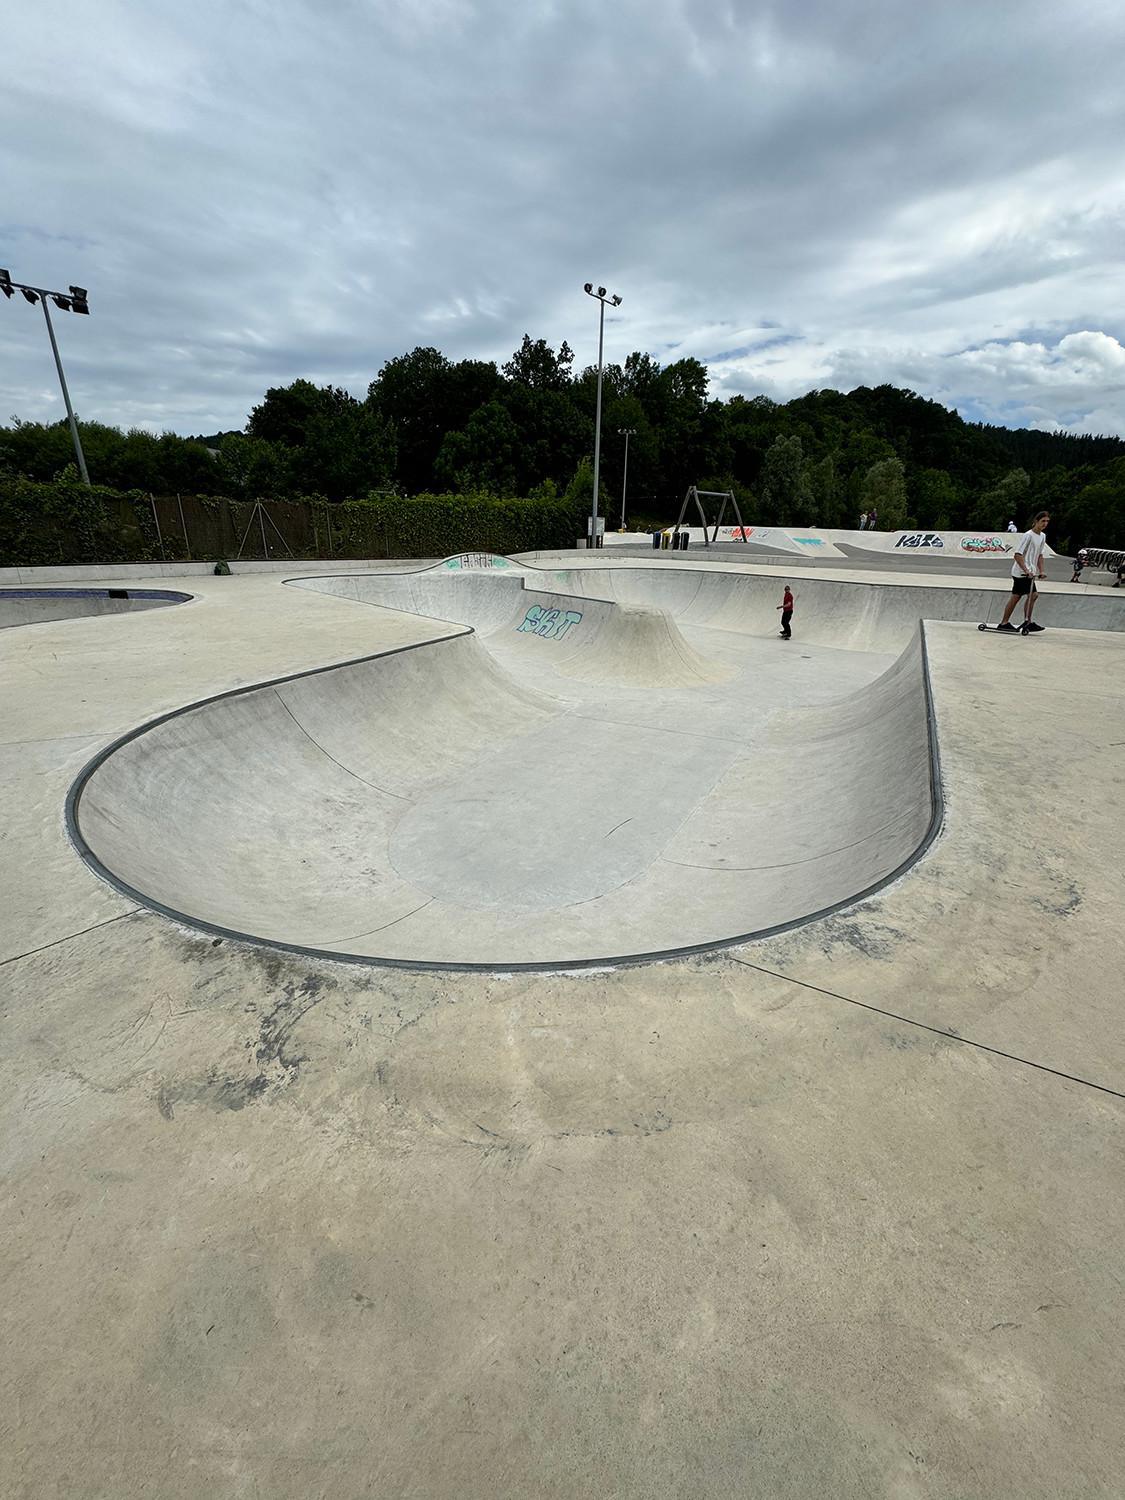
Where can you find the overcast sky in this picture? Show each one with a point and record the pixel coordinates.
(809, 194)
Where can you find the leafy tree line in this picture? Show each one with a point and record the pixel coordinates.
(526, 428)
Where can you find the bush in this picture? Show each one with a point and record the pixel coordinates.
(64, 522)
(438, 525)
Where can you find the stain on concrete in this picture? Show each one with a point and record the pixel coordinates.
(215, 1090)
(274, 1055)
(275, 1033)
(861, 932)
(1064, 901)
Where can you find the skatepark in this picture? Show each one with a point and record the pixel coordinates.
(514, 1026)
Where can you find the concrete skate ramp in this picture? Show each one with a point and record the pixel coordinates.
(594, 638)
(426, 808)
(37, 606)
(856, 616)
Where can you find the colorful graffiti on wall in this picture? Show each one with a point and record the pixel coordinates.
(551, 624)
(985, 544)
(920, 539)
(475, 560)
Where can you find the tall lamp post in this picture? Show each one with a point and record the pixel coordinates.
(600, 294)
(626, 433)
(72, 301)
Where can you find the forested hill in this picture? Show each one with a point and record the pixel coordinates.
(1036, 451)
(430, 424)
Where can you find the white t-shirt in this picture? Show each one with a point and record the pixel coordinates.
(1030, 548)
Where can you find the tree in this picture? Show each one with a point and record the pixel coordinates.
(676, 409)
(934, 500)
(817, 458)
(484, 455)
(324, 441)
(346, 453)
(412, 392)
(784, 485)
(286, 412)
(250, 468)
(537, 366)
(828, 499)
(1096, 514)
(884, 491)
(640, 377)
(1003, 502)
(468, 384)
(553, 434)
(580, 494)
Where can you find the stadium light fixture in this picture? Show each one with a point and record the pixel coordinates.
(74, 300)
(614, 301)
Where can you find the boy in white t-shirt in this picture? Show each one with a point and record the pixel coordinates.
(1027, 567)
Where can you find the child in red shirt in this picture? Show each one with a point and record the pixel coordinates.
(786, 608)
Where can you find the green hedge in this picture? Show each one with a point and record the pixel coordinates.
(438, 525)
(65, 523)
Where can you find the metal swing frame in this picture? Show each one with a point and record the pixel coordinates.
(726, 496)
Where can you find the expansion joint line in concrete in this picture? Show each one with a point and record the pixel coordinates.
(950, 1036)
(329, 756)
(70, 936)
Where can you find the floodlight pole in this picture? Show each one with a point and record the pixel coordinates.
(74, 301)
(66, 396)
(614, 301)
(626, 433)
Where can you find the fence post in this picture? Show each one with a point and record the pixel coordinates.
(156, 519)
(183, 525)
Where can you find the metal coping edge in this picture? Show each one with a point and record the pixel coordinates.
(22, 591)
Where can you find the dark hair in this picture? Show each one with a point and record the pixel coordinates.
(1043, 515)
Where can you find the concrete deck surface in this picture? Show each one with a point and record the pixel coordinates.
(834, 1213)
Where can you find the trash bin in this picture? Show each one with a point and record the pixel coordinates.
(656, 541)
(684, 537)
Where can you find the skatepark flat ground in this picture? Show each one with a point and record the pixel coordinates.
(834, 1212)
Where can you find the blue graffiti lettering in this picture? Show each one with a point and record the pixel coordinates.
(550, 624)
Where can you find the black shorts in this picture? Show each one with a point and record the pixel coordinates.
(1024, 585)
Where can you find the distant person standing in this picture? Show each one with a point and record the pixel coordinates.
(863, 521)
(1079, 564)
(1012, 526)
(786, 608)
(872, 517)
(1026, 569)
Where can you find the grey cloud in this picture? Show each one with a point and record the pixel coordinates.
(255, 192)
